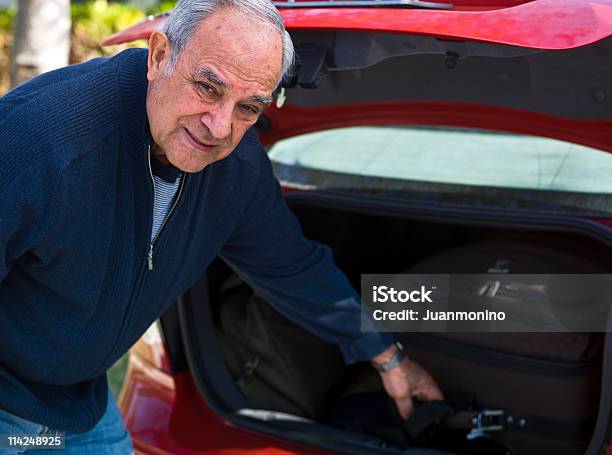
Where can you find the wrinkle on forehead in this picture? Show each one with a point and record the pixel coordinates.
(233, 42)
(226, 68)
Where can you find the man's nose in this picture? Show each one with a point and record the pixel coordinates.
(218, 120)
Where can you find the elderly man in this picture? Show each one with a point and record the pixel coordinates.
(122, 179)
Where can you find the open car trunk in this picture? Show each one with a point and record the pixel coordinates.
(554, 389)
(539, 68)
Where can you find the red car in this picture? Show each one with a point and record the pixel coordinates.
(412, 130)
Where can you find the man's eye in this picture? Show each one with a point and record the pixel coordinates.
(250, 109)
(206, 88)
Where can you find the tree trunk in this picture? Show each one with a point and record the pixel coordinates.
(42, 38)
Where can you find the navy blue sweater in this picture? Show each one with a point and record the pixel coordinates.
(76, 203)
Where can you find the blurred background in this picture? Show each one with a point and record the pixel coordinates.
(41, 35)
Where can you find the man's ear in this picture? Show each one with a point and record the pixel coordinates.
(159, 54)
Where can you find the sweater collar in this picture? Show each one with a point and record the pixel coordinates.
(133, 84)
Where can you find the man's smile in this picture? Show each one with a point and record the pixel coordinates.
(195, 143)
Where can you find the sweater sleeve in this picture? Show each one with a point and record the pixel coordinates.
(25, 192)
(6, 231)
(28, 181)
(297, 276)
(25, 208)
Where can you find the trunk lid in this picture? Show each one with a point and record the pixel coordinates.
(538, 67)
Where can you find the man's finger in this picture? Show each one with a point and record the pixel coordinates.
(430, 392)
(404, 406)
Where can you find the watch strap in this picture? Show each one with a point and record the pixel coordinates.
(394, 362)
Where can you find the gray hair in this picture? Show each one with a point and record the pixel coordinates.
(188, 14)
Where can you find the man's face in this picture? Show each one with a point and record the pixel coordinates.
(222, 81)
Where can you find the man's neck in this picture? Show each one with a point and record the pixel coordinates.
(160, 155)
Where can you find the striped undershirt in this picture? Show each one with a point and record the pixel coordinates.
(167, 181)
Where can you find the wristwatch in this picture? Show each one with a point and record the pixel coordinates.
(397, 358)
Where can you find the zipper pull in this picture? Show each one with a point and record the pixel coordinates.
(150, 257)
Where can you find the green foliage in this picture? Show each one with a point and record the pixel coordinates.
(116, 375)
(6, 41)
(92, 22)
(103, 17)
(163, 7)
(100, 17)
(6, 18)
(96, 20)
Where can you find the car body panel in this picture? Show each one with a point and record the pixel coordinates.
(165, 415)
(541, 24)
(292, 120)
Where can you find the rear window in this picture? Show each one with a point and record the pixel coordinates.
(550, 173)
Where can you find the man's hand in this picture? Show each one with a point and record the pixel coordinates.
(405, 381)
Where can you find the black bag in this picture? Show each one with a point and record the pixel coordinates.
(454, 425)
(277, 364)
(547, 384)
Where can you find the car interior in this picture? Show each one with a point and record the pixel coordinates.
(551, 391)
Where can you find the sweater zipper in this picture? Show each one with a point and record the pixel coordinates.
(154, 239)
